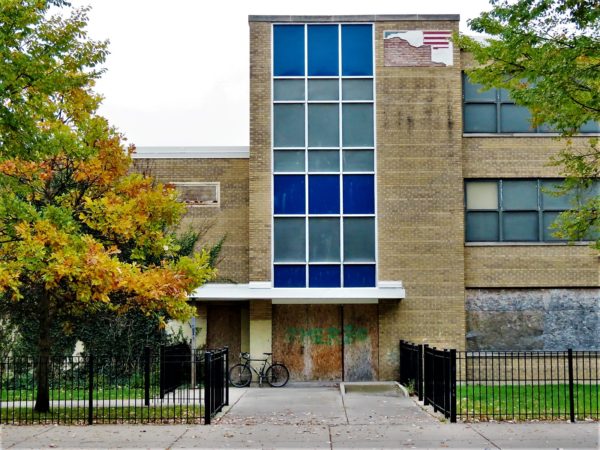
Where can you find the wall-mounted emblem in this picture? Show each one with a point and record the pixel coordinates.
(417, 48)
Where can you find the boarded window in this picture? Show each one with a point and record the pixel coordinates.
(199, 193)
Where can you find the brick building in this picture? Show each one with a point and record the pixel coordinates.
(383, 197)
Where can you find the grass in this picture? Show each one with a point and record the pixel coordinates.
(125, 392)
(520, 402)
(140, 414)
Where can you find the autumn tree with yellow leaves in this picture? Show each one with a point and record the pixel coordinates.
(79, 233)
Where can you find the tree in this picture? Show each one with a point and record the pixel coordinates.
(546, 53)
(78, 232)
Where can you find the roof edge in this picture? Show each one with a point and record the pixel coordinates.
(185, 152)
(356, 18)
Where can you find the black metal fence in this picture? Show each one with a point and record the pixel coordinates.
(519, 385)
(153, 388)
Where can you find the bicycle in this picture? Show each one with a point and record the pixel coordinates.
(276, 374)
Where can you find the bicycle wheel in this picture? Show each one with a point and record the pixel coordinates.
(277, 375)
(240, 375)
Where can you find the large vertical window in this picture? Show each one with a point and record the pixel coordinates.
(515, 210)
(323, 156)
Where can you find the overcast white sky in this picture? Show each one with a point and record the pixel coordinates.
(178, 70)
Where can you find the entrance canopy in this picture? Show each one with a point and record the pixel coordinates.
(264, 290)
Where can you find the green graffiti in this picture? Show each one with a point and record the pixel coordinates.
(326, 336)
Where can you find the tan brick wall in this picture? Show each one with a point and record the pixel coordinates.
(505, 266)
(519, 157)
(260, 151)
(230, 218)
(420, 199)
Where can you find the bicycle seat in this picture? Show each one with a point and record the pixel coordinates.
(268, 354)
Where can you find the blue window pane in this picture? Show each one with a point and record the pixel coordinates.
(357, 50)
(359, 239)
(288, 50)
(290, 276)
(554, 202)
(323, 194)
(324, 276)
(359, 276)
(324, 239)
(475, 92)
(519, 194)
(322, 50)
(288, 125)
(359, 194)
(289, 194)
(288, 160)
(323, 89)
(549, 218)
(323, 161)
(288, 90)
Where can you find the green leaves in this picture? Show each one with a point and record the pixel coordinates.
(546, 53)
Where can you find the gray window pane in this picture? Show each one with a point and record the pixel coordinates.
(290, 239)
(482, 194)
(358, 160)
(324, 240)
(357, 125)
(515, 119)
(472, 92)
(357, 90)
(288, 160)
(323, 90)
(520, 226)
(549, 218)
(288, 90)
(591, 126)
(482, 226)
(480, 118)
(517, 194)
(323, 161)
(505, 96)
(550, 201)
(288, 125)
(359, 239)
(323, 126)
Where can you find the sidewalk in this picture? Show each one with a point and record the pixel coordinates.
(311, 417)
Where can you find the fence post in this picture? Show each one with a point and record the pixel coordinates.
(571, 398)
(147, 376)
(420, 372)
(161, 371)
(425, 375)
(207, 387)
(452, 385)
(91, 392)
(226, 375)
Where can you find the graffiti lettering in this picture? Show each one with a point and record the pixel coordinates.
(327, 336)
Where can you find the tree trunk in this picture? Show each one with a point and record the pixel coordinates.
(42, 400)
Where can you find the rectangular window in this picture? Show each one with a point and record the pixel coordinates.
(513, 210)
(323, 156)
(199, 193)
(494, 111)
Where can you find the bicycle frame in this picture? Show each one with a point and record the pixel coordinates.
(263, 370)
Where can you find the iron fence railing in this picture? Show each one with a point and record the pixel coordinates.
(504, 385)
(152, 388)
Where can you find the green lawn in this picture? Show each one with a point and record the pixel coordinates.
(77, 394)
(520, 402)
(156, 414)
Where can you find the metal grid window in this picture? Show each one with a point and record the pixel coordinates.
(514, 210)
(323, 156)
(493, 111)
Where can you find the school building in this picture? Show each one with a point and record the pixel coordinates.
(383, 197)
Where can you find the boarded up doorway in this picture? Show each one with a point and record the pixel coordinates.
(327, 342)
(224, 328)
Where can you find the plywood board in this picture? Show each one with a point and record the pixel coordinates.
(225, 329)
(361, 342)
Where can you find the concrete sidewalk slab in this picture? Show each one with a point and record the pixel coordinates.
(288, 406)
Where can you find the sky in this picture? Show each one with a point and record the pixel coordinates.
(177, 73)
